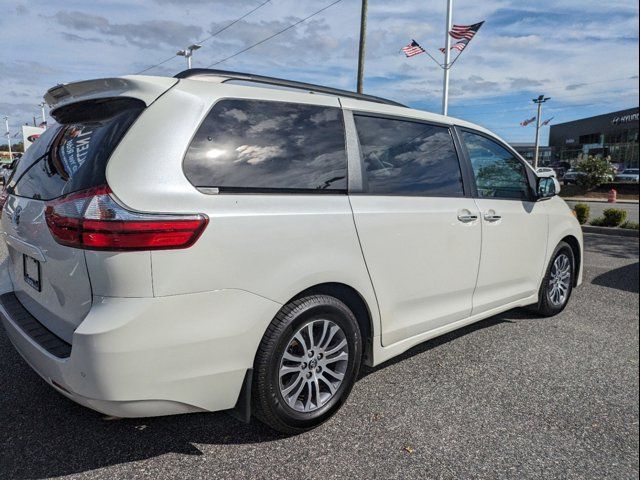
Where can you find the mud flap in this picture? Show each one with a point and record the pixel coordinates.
(242, 410)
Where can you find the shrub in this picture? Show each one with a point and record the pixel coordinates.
(614, 217)
(582, 212)
(630, 225)
(598, 222)
(596, 171)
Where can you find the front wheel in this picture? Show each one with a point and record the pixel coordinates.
(306, 364)
(557, 284)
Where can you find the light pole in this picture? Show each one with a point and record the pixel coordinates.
(447, 58)
(44, 116)
(188, 53)
(361, 49)
(6, 123)
(539, 101)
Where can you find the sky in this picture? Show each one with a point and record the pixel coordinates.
(581, 53)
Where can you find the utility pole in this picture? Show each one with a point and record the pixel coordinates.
(447, 58)
(361, 50)
(6, 123)
(188, 53)
(539, 101)
(44, 116)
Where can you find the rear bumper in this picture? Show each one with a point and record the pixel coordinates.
(139, 357)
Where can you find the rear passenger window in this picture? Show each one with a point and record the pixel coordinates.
(263, 145)
(408, 158)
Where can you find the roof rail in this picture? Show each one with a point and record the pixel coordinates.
(249, 77)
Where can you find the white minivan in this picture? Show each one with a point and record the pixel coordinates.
(221, 240)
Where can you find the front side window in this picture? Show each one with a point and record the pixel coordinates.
(408, 158)
(263, 145)
(498, 173)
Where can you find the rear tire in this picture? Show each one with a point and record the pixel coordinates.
(306, 364)
(557, 283)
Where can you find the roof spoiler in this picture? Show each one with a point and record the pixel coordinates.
(145, 88)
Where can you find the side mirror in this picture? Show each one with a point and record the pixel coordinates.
(547, 187)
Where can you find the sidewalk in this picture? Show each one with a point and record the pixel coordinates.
(596, 200)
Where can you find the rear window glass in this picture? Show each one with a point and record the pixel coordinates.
(74, 156)
(263, 145)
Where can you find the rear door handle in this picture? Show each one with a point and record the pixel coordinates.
(491, 217)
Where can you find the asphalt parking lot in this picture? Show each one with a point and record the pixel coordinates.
(514, 396)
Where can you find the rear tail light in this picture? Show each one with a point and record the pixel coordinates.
(92, 220)
(4, 195)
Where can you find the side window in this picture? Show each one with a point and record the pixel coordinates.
(408, 158)
(254, 144)
(498, 173)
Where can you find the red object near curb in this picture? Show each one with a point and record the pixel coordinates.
(613, 196)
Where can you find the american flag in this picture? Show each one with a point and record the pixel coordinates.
(458, 45)
(464, 34)
(526, 122)
(546, 122)
(412, 49)
(465, 31)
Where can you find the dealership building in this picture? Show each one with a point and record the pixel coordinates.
(613, 135)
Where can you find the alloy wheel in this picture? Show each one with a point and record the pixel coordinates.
(559, 280)
(313, 365)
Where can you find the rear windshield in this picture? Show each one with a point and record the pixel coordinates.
(74, 156)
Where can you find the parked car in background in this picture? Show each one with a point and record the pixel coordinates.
(629, 175)
(560, 168)
(228, 241)
(571, 176)
(5, 171)
(549, 170)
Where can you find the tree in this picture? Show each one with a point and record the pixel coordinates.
(595, 171)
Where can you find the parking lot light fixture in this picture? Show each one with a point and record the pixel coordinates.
(188, 53)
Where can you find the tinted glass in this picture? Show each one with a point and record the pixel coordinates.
(269, 145)
(73, 157)
(498, 173)
(408, 158)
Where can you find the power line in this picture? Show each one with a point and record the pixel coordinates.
(273, 36)
(234, 22)
(156, 65)
(218, 32)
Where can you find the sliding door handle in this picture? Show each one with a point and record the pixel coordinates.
(466, 218)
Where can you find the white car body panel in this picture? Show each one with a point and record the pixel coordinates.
(175, 331)
(508, 274)
(418, 291)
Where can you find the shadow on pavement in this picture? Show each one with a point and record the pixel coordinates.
(610, 245)
(623, 278)
(43, 434)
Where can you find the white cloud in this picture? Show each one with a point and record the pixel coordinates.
(547, 47)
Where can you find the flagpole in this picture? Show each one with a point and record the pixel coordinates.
(447, 58)
(6, 122)
(540, 100)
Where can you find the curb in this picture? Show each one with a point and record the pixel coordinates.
(618, 232)
(594, 200)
